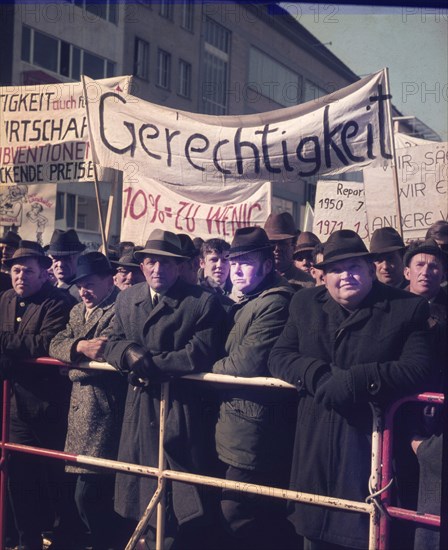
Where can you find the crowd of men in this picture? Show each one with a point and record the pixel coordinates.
(351, 329)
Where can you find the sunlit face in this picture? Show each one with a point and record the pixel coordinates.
(304, 260)
(283, 254)
(425, 274)
(94, 288)
(27, 277)
(216, 265)
(188, 271)
(125, 277)
(318, 274)
(64, 267)
(247, 271)
(389, 268)
(160, 272)
(349, 281)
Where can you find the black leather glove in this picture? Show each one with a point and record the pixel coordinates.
(336, 391)
(6, 367)
(140, 365)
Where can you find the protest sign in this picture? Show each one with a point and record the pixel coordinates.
(340, 205)
(31, 209)
(422, 178)
(343, 131)
(160, 207)
(43, 133)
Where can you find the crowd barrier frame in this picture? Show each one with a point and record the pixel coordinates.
(375, 504)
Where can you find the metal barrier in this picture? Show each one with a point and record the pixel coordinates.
(390, 512)
(378, 484)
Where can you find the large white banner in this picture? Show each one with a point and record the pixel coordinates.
(43, 132)
(31, 209)
(212, 158)
(145, 210)
(423, 187)
(340, 205)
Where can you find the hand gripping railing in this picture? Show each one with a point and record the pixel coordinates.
(162, 474)
(387, 477)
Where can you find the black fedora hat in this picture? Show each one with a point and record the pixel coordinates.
(64, 243)
(127, 259)
(92, 263)
(249, 239)
(280, 226)
(11, 239)
(29, 249)
(187, 246)
(162, 243)
(341, 245)
(429, 246)
(385, 239)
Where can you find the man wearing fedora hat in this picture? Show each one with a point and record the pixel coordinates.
(349, 345)
(163, 328)
(64, 250)
(32, 312)
(282, 234)
(253, 438)
(303, 252)
(8, 244)
(127, 269)
(97, 398)
(387, 249)
(188, 270)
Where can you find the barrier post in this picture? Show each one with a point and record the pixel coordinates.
(4, 459)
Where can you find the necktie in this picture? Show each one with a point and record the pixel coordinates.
(155, 300)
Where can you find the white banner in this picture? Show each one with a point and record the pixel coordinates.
(43, 132)
(160, 207)
(340, 205)
(423, 187)
(220, 155)
(30, 208)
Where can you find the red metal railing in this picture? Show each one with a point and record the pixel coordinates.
(380, 465)
(386, 472)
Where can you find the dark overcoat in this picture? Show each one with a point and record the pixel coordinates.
(39, 391)
(252, 431)
(183, 334)
(97, 397)
(384, 343)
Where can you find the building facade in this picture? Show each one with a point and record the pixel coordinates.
(207, 57)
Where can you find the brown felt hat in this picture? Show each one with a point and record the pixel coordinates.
(162, 243)
(127, 259)
(385, 239)
(64, 243)
(187, 246)
(249, 239)
(29, 249)
(280, 226)
(306, 241)
(341, 245)
(11, 239)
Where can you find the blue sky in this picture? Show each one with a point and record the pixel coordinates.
(412, 42)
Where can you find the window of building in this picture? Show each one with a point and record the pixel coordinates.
(106, 9)
(166, 9)
(216, 61)
(78, 212)
(187, 15)
(184, 78)
(141, 59)
(163, 69)
(61, 57)
(273, 80)
(312, 91)
(280, 205)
